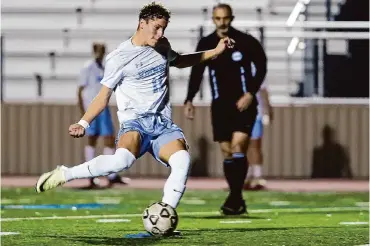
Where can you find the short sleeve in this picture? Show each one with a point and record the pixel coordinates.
(263, 85)
(112, 73)
(84, 77)
(172, 55)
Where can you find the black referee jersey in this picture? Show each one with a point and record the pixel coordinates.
(230, 74)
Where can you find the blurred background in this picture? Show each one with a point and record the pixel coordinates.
(318, 79)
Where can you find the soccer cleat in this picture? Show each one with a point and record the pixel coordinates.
(118, 180)
(233, 207)
(51, 180)
(94, 183)
(247, 185)
(258, 184)
(255, 184)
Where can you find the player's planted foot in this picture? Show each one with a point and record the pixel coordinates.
(255, 184)
(247, 185)
(259, 184)
(51, 180)
(94, 183)
(234, 207)
(118, 180)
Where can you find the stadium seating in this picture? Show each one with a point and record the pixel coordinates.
(53, 38)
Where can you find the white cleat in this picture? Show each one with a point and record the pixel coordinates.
(51, 180)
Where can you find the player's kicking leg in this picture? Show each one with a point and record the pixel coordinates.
(106, 130)
(235, 170)
(128, 149)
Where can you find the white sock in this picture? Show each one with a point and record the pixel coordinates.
(102, 165)
(110, 151)
(257, 170)
(89, 152)
(175, 185)
(250, 172)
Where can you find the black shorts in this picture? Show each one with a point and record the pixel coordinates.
(227, 119)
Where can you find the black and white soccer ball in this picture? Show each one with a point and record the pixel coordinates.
(160, 219)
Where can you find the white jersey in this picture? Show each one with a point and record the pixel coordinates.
(258, 94)
(139, 77)
(90, 77)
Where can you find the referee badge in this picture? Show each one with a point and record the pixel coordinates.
(236, 56)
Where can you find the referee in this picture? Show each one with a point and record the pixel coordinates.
(234, 104)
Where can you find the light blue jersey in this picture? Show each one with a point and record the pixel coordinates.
(90, 77)
(257, 131)
(139, 77)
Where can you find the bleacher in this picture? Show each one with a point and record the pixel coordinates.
(53, 38)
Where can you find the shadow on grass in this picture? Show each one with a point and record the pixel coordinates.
(91, 240)
(229, 217)
(151, 240)
(186, 234)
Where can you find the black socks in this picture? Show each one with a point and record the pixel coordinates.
(235, 171)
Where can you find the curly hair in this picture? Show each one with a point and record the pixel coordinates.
(154, 10)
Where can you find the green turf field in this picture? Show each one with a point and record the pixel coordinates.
(275, 218)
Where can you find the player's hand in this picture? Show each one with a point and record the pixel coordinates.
(244, 102)
(224, 44)
(189, 110)
(76, 130)
(268, 116)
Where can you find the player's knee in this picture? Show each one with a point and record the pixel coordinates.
(180, 166)
(123, 159)
(253, 150)
(180, 161)
(238, 148)
(226, 152)
(109, 141)
(92, 140)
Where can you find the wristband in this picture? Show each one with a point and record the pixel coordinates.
(84, 124)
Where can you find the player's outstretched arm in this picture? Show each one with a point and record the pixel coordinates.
(95, 108)
(188, 60)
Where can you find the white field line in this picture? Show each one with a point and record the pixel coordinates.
(235, 221)
(252, 211)
(113, 220)
(279, 203)
(8, 233)
(354, 223)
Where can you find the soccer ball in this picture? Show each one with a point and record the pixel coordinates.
(160, 219)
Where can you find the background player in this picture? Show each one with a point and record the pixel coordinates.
(234, 105)
(137, 72)
(255, 156)
(89, 86)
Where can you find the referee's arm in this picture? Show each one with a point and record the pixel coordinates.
(196, 75)
(258, 57)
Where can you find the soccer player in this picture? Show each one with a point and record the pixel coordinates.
(255, 157)
(234, 103)
(137, 72)
(89, 86)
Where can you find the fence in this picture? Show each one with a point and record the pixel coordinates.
(35, 139)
